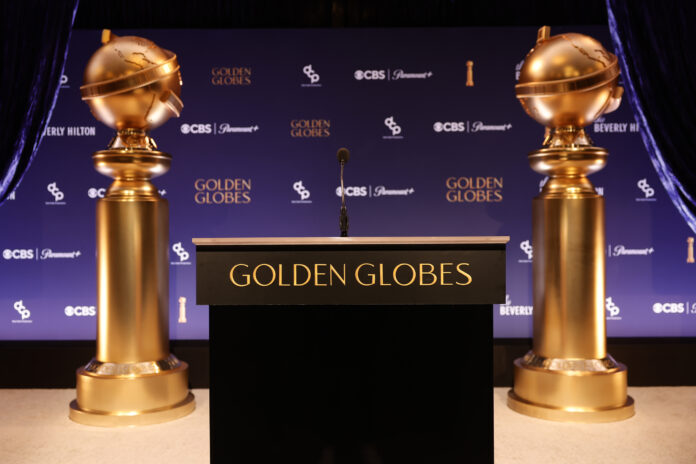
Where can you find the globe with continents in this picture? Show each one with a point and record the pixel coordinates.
(131, 83)
(568, 80)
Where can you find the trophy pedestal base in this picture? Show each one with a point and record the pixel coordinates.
(571, 395)
(135, 399)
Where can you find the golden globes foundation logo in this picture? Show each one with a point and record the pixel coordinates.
(469, 73)
(310, 128)
(690, 250)
(182, 310)
(474, 189)
(240, 75)
(222, 191)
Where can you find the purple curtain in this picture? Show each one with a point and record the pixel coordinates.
(34, 37)
(656, 46)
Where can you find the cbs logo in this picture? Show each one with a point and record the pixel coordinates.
(80, 311)
(449, 127)
(18, 254)
(196, 128)
(370, 75)
(673, 308)
(353, 191)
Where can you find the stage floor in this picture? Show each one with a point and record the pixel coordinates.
(34, 428)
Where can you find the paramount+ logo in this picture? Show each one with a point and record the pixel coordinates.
(310, 128)
(240, 75)
(474, 189)
(222, 191)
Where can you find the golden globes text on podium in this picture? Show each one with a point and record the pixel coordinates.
(133, 86)
(567, 82)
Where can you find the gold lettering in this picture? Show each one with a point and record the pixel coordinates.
(371, 275)
(280, 277)
(413, 274)
(246, 276)
(423, 272)
(294, 275)
(451, 183)
(465, 274)
(333, 271)
(317, 274)
(381, 276)
(256, 270)
(443, 272)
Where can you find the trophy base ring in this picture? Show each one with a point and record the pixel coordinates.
(132, 418)
(118, 395)
(582, 390)
(586, 415)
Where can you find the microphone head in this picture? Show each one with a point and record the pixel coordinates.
(343, 155)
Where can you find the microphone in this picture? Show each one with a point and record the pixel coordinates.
(343, 156)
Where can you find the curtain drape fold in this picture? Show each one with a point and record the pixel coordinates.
(656, 46)
(34, 37)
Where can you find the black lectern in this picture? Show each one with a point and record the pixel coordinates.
(351, 350)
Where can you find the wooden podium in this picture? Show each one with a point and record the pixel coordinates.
(351, 350)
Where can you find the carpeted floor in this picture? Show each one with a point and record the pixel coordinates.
(34, 428)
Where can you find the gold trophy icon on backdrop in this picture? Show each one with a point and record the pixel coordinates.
(567, 82)
(133, 86)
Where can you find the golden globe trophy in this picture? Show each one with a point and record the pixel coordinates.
(568, 81)
(133, 86)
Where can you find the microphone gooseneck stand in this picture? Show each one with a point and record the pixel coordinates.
(343, 155)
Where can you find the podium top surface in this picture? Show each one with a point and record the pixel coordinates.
(241, 241)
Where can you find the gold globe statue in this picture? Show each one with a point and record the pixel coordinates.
(133, 86)
(567, 82)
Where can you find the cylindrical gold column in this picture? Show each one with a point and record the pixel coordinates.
(128, 312)
(569, 274)
(132, 85)
(568, 81)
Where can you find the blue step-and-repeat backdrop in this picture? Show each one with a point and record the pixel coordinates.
(254, 154)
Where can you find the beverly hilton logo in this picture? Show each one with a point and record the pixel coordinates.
(601, 126)
(302, 191)
(240, 75)
(70, 131)
(222, 191)
(508, 309)
(312, 75)
(23, 312)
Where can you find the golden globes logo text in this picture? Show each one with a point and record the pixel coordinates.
(310, 128)
(222, 191)
(474, 189)
(364, 274)
(231, 76)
